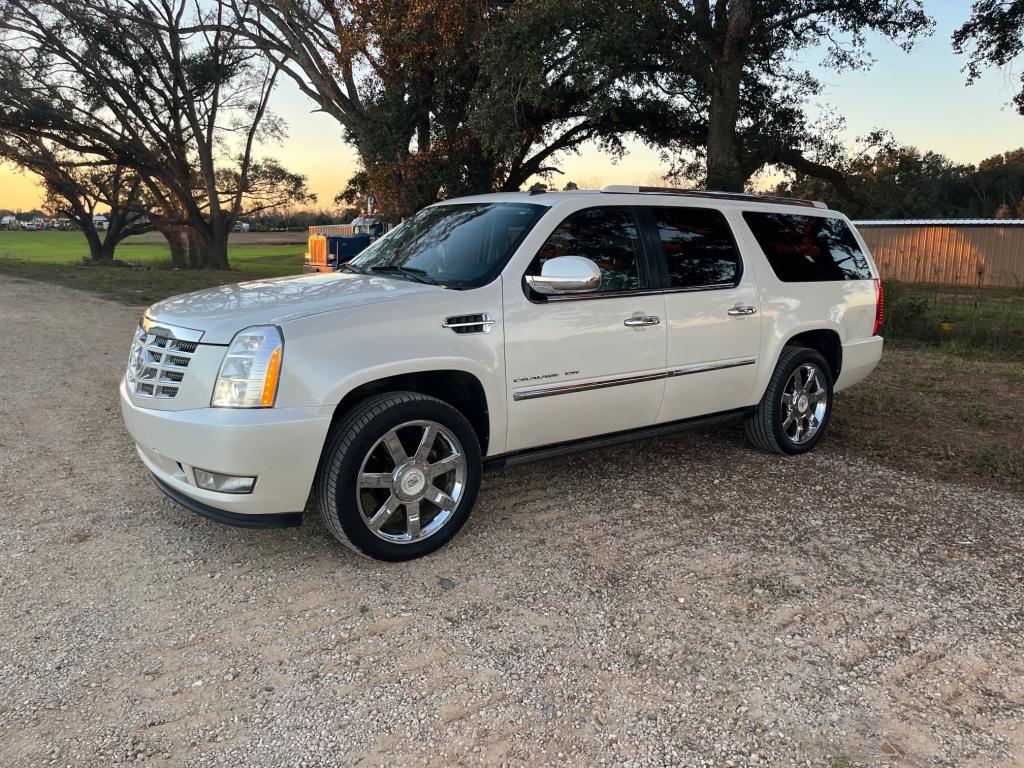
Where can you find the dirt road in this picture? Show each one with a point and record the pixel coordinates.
(683, 602)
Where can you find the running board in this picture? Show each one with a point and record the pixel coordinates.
(496, 463)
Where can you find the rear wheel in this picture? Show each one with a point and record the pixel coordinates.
(399, 477)
(797, 404)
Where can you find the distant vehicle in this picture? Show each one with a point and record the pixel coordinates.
(30, 226)
(494, 329)
(9, 222)
(332, 245)
(241, 226)
(367, 225)
(100, 222)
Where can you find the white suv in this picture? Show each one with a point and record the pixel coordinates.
(495, 329)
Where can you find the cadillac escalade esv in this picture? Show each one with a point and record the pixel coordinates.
(493, 329)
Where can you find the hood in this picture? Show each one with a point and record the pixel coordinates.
(223, 311)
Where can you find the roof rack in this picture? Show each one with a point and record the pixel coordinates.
(712, 194)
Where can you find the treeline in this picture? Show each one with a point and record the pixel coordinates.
(898, 182)
(158, 110)
(297, 219)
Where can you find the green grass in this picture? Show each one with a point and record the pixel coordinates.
(145, 276)
(978, 415)
(970, 322)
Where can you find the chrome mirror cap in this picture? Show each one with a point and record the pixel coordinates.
(566, 274)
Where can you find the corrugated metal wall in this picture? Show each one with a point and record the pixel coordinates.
(982, 255)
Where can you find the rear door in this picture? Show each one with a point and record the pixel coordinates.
(580, 365)
(712, 308)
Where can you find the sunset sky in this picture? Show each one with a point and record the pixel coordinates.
(921, 98)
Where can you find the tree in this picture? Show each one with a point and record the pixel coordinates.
(394, 73)
(889, 181)
(741, 101)
(886, 180)
(999, 181)
(448, 97)
(993, 36)
(143, 84)
(555, 75)
(77, 187)
(356, 190)
(78, 194)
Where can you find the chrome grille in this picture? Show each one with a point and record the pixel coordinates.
(159, 359)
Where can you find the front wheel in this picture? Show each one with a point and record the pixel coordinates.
(399, 476)
(794, 412)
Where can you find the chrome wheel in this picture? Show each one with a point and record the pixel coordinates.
(804, 402)
(411, 481)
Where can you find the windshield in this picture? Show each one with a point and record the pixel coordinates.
(457, 246)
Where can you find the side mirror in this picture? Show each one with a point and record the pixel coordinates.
(566, 274)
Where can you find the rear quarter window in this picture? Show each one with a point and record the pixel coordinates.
(808, 249)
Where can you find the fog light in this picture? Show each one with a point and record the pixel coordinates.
(211, 481)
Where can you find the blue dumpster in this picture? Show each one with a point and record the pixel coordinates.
(343, 247)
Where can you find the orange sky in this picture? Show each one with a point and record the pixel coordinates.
(920, 97)
(315, 147)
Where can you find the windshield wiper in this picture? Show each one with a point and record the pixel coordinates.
(410, 273)
(349, 268)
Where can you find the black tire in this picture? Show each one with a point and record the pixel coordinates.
(764, 427)
(353, 437)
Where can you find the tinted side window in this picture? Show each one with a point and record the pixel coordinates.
(698, 246)
(606, 236)
(805, 249)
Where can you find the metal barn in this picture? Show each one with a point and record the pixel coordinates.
(963, 252)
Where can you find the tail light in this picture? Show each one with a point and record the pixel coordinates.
(879, 307)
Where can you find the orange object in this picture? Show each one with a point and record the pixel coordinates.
(318, 249)
(270, 382)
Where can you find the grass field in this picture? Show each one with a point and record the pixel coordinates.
(146, 275)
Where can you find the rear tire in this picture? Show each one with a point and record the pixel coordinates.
(399, 476)
(794, 413)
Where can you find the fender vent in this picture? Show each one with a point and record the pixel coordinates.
(470, 323)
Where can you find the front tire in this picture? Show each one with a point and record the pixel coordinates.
(797, 404)
(399, 476)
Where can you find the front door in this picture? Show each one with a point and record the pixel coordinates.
(713, 312)
(579, 365)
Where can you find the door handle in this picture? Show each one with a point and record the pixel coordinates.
(633, 322)
(741, 311)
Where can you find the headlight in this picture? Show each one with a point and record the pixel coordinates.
(251, 368)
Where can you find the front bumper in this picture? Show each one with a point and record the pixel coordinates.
(279, 446)
(279, 520)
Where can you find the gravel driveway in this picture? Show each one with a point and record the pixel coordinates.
(686, 601)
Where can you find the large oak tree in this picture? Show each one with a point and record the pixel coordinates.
(448, 97)
(731, 69)
(142, 84)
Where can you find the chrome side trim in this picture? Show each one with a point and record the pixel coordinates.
(705, 367)
(565, 389)
(637, 292)
(598, 295)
